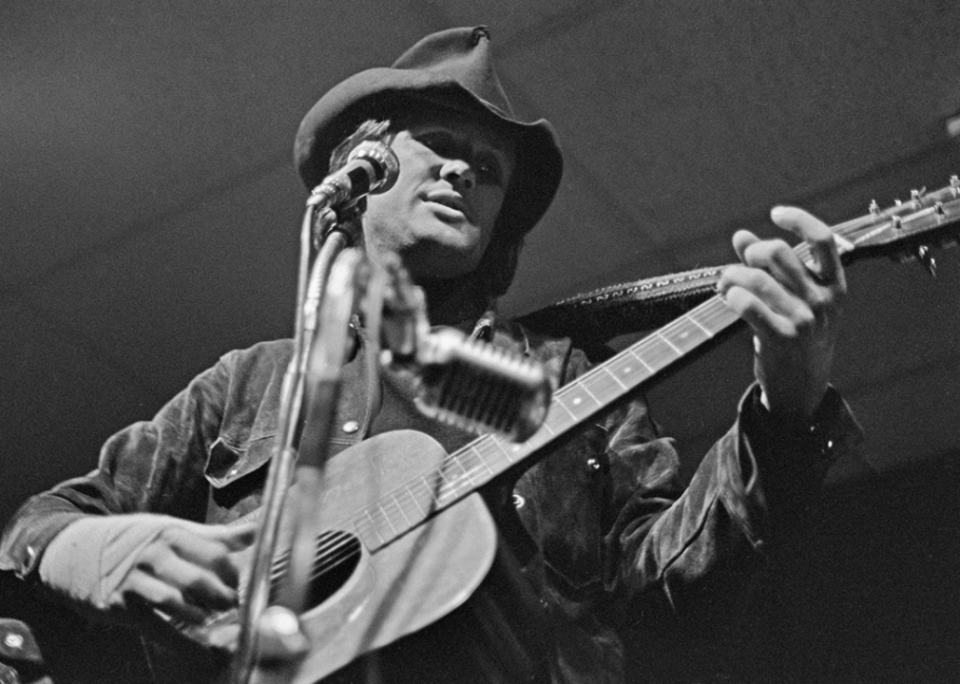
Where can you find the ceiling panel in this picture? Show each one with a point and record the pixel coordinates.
(114, 112)
(221, 274)
(693, 111)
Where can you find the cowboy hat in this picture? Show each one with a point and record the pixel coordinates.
(452, 69)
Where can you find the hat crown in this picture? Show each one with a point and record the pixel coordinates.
(463, 55)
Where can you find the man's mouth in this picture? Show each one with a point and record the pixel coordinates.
(451, 200)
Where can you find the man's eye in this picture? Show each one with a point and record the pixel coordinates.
(436, 142)
(488, 171)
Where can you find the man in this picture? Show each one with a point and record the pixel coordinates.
(604, 536)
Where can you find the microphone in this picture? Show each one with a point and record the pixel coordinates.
(467, 383)
(372, 167)
(477, 386)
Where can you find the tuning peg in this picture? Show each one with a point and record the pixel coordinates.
(925, 256)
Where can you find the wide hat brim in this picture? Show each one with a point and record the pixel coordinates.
(377, 92)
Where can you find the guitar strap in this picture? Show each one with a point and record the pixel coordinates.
(597, 316)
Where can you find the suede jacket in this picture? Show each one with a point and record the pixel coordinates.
(600, 526)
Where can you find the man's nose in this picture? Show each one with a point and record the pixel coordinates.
(459, 174)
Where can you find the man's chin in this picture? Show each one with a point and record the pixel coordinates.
(441, 261)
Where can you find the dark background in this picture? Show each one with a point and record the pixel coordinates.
(149, 216)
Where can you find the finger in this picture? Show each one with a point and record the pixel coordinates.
(742, 239)
(239, 537)
(201, 585)
(827, 257)
(822, 242)
(212, 546)
(236, 535)
(786, 311)
(778, 259)
(764, 320)
(211, 554)
(142, 589)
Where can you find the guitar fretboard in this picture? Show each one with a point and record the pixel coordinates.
(479, 462)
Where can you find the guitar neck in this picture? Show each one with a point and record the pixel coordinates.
(902, 228)
(476, 464)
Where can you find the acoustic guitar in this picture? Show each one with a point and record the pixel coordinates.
(402, 537)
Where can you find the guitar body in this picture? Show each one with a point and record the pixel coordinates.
(395, 590)
(411, 582)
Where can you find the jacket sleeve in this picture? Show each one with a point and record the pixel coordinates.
(688, 557)
(620, 533)
(152, 466)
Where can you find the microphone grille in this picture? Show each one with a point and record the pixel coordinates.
(483, 388)
(383, 159)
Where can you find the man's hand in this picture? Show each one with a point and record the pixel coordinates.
(119, 562)
(793, 309)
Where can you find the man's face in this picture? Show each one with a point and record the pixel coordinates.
(440, 214)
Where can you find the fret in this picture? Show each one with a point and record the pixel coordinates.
(391, 504)
(559, 417)
(577, 400)
(603, 384)
(685, 335)
(430, 489)
(541, 437)
(451, 471)
(450, 493)
(629, 368)
(713, 315)
(413, 502)
(545, 428)
(666, 339)
(450, 486)
(480, 471)
(371, 528)
(492, 450)
(474, 471)
(386, 517)
(468, 462)
(656, 352)
(706, 331)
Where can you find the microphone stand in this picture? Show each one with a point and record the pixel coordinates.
(272, 632)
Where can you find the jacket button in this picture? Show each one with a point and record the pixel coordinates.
(14, 641)
(351, 426)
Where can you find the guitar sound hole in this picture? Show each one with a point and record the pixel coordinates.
(337, 556)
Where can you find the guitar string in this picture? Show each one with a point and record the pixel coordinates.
(335, 549)
(710, 312)
(332, 552)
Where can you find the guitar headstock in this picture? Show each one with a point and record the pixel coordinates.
(907, 230)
